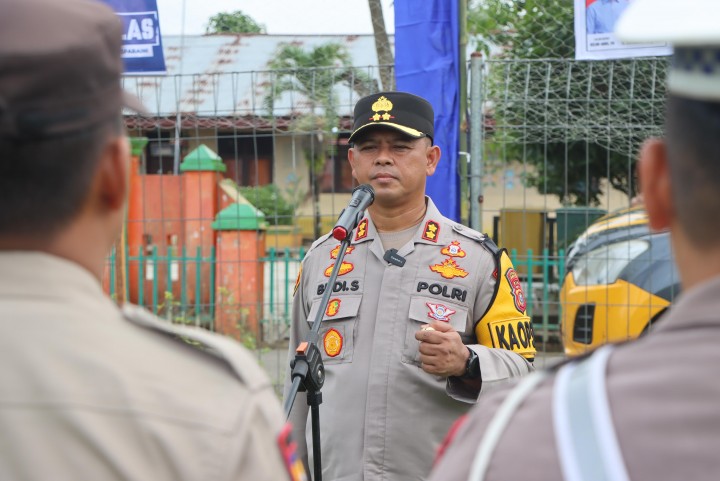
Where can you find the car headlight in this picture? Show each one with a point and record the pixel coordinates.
(604, 264)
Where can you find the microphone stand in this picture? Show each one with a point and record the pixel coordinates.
(308, 371)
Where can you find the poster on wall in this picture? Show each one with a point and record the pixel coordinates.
(594, 38)
(142, 42)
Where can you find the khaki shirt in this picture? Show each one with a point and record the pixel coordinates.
(89, 393)
(382, 416)
(663, 392)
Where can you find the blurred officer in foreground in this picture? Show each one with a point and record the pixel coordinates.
(648, 409)
(88, 391)
(393, 387)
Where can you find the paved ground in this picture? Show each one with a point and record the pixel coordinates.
(274, 362)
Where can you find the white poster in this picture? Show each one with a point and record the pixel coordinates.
(594, 38)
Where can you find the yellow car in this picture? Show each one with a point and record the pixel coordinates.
(620, 279)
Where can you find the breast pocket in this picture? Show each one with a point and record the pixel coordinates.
(337, 332)
(424, 310)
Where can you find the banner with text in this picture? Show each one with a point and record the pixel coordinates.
(594, 38)
(142, 42)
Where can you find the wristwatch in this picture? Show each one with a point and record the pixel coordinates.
(472, 367)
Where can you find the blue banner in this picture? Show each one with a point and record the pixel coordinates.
(142, 42)
(426, 64)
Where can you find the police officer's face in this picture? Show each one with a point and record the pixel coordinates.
(394, 164)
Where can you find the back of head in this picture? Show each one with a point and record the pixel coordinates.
(60, 100)
(693, 109)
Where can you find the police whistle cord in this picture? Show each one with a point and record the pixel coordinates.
(308, 371)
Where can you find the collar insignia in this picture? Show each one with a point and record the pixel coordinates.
(449, 269)
(382, 105)
(431, 231)
(453, 250)
(345, 267)
(362, 230)
(334, 253)
(439, 312)
(333, 342)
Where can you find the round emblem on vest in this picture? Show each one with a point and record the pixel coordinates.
(333, 342)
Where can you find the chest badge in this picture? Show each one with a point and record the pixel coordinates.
(345, 267)
(516, 290)
(333, 342)
(431, 231)
(439, 312)
(333, 307)
(449, 269)
(453, 250)
(362, 230)
(334, 253)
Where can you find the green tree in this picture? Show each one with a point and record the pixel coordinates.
(576, 122)
(233, 22)
(314, 75)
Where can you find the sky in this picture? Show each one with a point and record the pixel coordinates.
(278, 16)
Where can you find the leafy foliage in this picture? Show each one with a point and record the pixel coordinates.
(269, 199)
(233, 22)
(312, 76)
(578, 123)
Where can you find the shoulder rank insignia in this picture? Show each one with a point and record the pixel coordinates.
(516, 290)
(334, 253)
(431, 231)
(345, 267)
(332, 342)
(439, 312)
(449, 269)
(333, 307)
(453, 250)
(362, 229)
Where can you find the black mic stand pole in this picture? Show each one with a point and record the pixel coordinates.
(308, 371)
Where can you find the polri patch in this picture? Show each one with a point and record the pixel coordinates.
(431, 231)
(333, 342)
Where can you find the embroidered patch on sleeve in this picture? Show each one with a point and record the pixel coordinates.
(288, 450)
(516, 290)
(297, 281)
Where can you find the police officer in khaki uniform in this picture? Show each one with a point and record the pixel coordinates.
(88, 391)
(647, 409)
(393, 387)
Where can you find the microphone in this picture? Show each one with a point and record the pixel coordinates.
(362, 197)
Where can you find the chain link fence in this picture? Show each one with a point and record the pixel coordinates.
(554, 143)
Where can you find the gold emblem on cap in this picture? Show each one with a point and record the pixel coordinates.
(382, 105)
